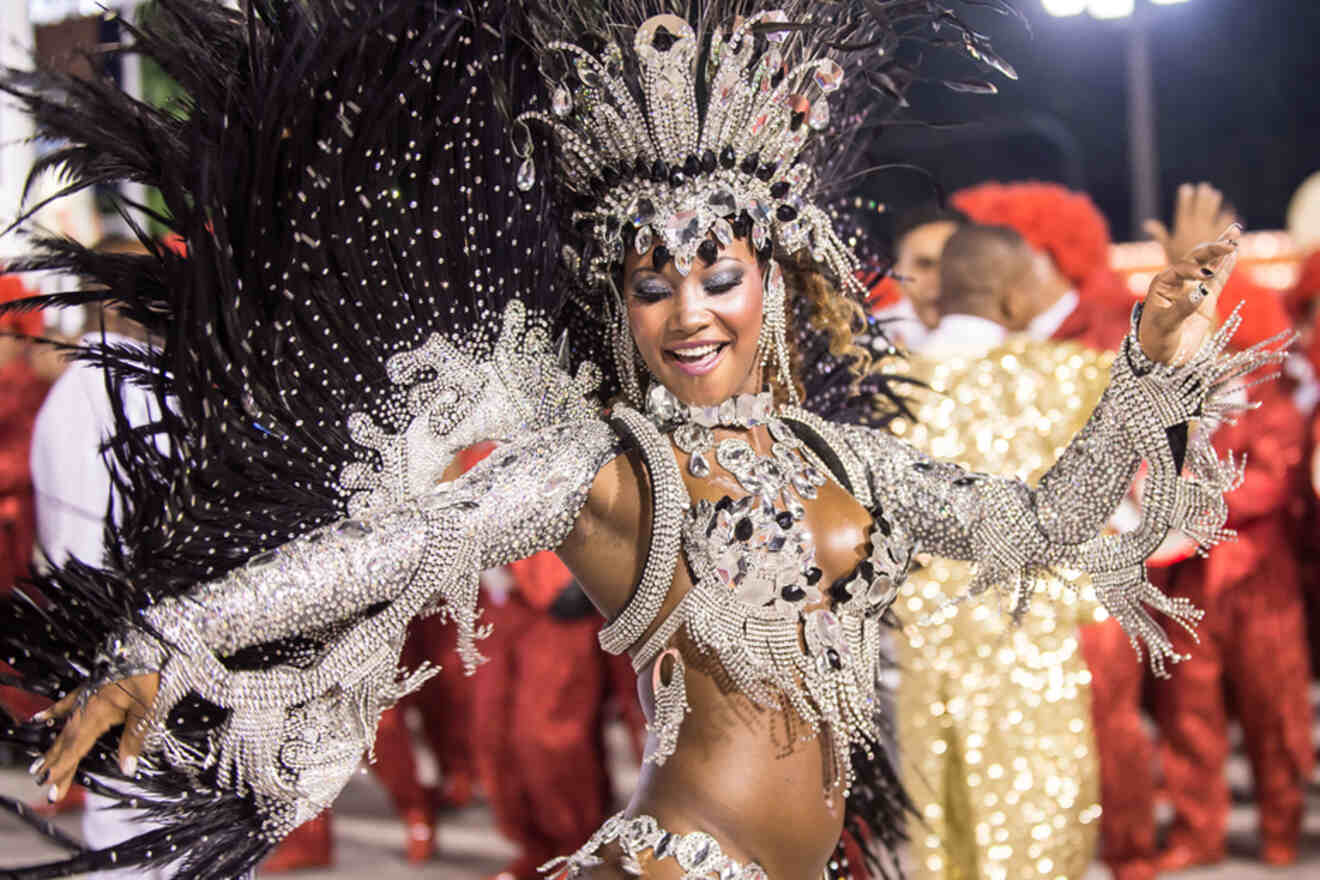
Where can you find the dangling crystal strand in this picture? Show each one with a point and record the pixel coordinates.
(526, 175)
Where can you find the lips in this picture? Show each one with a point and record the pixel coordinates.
(696, 359)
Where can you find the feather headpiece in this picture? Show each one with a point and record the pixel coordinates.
(680, 131)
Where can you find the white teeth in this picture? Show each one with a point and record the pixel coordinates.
(692, 354)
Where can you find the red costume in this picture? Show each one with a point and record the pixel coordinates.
(1253, 637)
(539, 712)
(1070, 228)
(21, 393)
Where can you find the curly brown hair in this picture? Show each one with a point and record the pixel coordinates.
(828, 310)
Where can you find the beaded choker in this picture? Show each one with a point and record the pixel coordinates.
(739, 411)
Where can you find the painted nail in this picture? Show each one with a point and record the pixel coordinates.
(39, 717)
(36, 765)
(129, 765)
(53, 794)
(42, 777)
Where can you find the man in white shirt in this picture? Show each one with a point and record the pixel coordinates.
(71, 480)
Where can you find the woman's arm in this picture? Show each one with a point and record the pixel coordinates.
(1012, 530)
(350, 590)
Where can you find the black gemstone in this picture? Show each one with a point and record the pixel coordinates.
(597, 186)
(708, 161)
(690, 166)
(677, 177)
(866, 569)
(839, 589)
(796, 120)
(727, 159)
(785, 519)
(610, 175)
(663, 40)
(659, 257)
(883, 524)
(786, 213)
(659, 171)
(724, 503)
(742, 225)
(611, 224)
(814, 575)
(793, 593)
(641, 169)
(767, 171)
(779, 189)
(964, 481)
(646, 207)
(835, 661)
(742, 530)
(749, 164)
(708, 251)
(626, 171)
(922, 466)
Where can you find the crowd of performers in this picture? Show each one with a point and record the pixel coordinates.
(1027, 749)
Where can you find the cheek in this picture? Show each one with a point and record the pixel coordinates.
(741, 312)
(646, 320)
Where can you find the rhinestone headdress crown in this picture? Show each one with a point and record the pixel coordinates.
(654, 165)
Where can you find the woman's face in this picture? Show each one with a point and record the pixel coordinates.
(698, 334)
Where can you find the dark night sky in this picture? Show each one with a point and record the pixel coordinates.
(1237, 91)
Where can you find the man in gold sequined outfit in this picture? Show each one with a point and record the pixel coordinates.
(994, 720)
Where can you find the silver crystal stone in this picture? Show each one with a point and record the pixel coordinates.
(526, 175)
(561, 103)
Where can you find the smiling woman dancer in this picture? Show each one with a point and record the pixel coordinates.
(370, 287)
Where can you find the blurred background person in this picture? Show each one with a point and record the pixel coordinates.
(22, 389)
(1080, 299)
(905, 300)
(71, 479)
(994, 718)
(1253, 640)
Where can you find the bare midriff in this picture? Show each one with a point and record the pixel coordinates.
(751, 776)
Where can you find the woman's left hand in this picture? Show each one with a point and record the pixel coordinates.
(1180, 307)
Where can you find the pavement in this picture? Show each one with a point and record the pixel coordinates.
(369, 840)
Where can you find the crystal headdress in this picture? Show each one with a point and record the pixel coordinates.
(727, 122)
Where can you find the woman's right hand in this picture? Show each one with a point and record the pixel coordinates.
(127, 702)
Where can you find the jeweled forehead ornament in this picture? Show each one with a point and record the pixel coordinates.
(651, 165)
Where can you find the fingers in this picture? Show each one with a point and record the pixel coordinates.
(1157, 231)
(110, 706)
(132, 741)
(60, 709)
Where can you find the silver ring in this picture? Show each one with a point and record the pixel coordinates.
(1198, 295)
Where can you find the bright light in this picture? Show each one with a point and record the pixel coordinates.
(1064, 8)
(1111, 8)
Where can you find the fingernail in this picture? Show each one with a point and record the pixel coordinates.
(36, 765)
(39, 717)
(129, 766)
(53, 794)
(42, 777)
(1207, 272)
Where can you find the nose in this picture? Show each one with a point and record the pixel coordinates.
(691, 313)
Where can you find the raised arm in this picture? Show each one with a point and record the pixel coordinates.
(1012, 530)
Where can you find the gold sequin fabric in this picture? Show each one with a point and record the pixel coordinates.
(994, 718)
